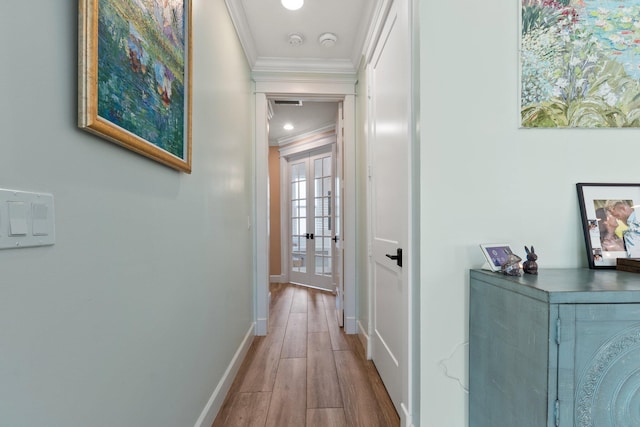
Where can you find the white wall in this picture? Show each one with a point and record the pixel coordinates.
(485, 180)
(133, 316)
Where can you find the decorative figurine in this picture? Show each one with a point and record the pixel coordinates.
(511, 267)
(530, 266)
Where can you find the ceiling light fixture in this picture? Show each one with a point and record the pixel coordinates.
(292, 4)
(288, 126)
(328, 39)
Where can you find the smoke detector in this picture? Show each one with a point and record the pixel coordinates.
(295, 39)
(327, 39)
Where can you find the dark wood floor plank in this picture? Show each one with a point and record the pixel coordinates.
(266, 372)
(295, 338)
(323, 389)
(288, 407)
(281, 298)
(387, 410)
(338, 337)
(317, 341)
(326, 417)
(244, 410)
(317, 317)
(262, 362)
(360, 402)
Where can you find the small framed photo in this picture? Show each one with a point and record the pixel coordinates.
(496, 254)
(610, 222)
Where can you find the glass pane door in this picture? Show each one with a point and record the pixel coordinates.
(323, 183)
(311, 186)
(299, 217)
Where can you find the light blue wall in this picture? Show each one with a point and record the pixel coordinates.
(485, 180)
(133, 316)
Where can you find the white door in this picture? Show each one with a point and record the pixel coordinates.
(390, 109)
(311, 220)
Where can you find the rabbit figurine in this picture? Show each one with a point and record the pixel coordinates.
(530, 266)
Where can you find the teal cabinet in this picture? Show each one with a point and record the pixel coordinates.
(558, 349)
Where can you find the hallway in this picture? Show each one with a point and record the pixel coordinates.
(306, 372)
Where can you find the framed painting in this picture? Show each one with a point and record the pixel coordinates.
(610, 222)
(134, 77)
(580, 63)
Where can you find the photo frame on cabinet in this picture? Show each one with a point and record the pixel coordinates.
(134, 76)
(610, 222)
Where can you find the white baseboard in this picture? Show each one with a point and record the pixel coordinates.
(216, 400)
(350, 325)
(364, 338)
(261, 327)
(405, 417)
(279, 278)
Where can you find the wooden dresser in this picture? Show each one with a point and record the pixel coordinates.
(558, 349)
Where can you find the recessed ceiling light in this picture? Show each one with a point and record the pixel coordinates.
(292, 4)
(288, 126)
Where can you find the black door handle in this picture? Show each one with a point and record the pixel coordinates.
(335, 239)
(397, 257)
(309, 236)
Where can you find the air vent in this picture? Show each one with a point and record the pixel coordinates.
(287, 102)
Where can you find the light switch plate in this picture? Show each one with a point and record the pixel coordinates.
(26, 219)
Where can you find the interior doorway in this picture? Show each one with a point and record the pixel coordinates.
(326, 91)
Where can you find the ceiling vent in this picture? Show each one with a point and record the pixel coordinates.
(288, 102)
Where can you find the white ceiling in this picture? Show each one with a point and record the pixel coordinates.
(309, 117)
(264, 27)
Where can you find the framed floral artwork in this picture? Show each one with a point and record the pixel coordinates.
(580, 63)
(134, 76)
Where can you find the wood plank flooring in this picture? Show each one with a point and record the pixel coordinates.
(306, 372)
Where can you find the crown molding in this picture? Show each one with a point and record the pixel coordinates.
(323, 131)
(376, 23)
(303, 65)
(362, 36)
(239, 19)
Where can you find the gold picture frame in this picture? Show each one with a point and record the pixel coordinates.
(134, 76)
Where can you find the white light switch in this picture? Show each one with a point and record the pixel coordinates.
(26, 219)
(39, 217)
(17, 219)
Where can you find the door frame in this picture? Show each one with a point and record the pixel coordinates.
(336, 88)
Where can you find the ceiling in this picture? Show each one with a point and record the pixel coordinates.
(309, 117)
(265, 27)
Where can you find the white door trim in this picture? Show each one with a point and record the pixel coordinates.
(338, 90)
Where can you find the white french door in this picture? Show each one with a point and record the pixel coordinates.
(312, 220)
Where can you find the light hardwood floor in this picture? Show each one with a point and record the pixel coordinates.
(306, 371)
